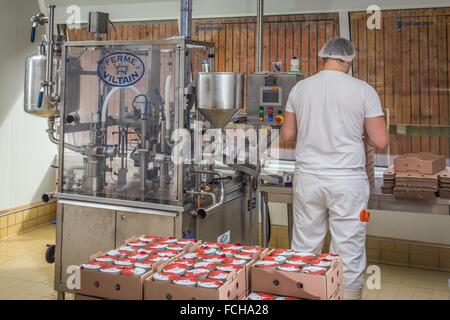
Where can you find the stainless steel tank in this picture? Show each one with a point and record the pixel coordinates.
(219, 96)
(35, 67)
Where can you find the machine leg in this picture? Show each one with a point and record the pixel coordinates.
(264, 220)
(60, 295)
(290, 215)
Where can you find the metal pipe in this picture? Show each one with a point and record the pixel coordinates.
(51, 135)
(203, 213)
(49, 81)
(186, 19)
(259, 36)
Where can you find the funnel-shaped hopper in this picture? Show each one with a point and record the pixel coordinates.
(219, 96)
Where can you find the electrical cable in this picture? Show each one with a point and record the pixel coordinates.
(114, 27)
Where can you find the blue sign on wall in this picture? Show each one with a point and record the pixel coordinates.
(121, 69)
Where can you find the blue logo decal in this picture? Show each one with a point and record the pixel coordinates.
(121, 69)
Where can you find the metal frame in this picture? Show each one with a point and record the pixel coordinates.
(182, 45)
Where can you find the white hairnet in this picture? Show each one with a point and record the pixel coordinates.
(338, 48)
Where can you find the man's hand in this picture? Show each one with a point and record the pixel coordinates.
(289, 130)
(377, 134)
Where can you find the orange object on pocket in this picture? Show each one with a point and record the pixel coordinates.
(364, 216)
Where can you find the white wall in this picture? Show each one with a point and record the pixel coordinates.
(139, 10)
(26, 154)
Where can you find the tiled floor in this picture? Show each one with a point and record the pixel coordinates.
(24, 274)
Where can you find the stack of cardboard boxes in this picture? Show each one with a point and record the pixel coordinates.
(416, 177)
(150, 268)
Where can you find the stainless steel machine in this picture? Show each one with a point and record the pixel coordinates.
(129, 118)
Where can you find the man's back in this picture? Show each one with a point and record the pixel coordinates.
(330, 108)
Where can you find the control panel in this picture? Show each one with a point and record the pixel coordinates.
(268, 94)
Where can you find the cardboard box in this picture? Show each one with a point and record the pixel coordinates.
(237, 285)
(425, 163)
(117, 287)
(80, 297)
(339, 294)
(298, 285)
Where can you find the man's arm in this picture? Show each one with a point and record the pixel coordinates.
(377, 133)
(289, 129)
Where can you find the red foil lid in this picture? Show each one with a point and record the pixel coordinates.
(210, 283)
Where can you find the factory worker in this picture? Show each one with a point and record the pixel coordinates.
(328, 114)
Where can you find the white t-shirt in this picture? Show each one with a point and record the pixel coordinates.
(330, 108)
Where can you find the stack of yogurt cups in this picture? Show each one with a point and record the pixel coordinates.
(209, 266)
(139, 256)
(291, 261)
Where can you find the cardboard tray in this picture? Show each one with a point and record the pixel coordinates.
(425, 163)
(299, 285)
(236, 286)
(117, 287)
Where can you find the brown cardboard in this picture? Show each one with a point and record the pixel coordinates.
(298, 285)
(237, 285)
(233, 289)
(425, 163)
(339, 294)
(118, 287)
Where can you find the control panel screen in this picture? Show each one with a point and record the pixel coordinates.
(271, 96)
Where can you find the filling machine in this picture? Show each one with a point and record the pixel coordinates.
(129, 118)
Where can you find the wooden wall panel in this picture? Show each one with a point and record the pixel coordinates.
(407, 61)
(285, 37)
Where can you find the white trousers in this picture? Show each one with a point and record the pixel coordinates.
(322, 204)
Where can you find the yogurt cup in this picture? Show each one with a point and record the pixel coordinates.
(289, 268)
(214, 259)
(210, 283)
(186, 281)
(175, 268)
(148, 239)
(128, 248)
(272, 265)
(205, 265)
(94, 265)
(167, 253)
(158, 246)
(298, 261)
(133, 272)
(156, 258)
(253, 250)
(138, 256)
(114, 253)
(244, 256)
(328, 256)
(234, 246)
(214, 245)
(228, 267)
(147, 251)
(105, 259)
(208, 251)
(125, 262)
(261, 297)
(277, 259)
(229, 253)
(112, 270)
(233, 261)
(187, 262)
(190, 255)
(166, 277)
(282, 252)
(198, 273)
(144, 264)
(186, 242)
(219, 275)
(137, 244)
(170, 240)
(176, 247)
(320, 263)
(307, 256)
(314, 270)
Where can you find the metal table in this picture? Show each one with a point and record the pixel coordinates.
(280, 194)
